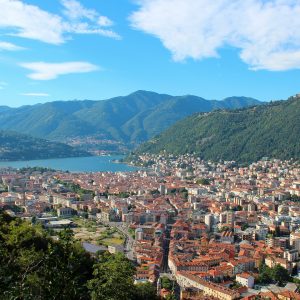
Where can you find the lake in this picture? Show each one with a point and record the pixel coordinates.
(75, 164)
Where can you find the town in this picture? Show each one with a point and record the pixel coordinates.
(194, 229)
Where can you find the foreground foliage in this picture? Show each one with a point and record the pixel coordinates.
(34, 266)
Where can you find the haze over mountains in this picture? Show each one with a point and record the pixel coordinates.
(243, 135)
(130, 119)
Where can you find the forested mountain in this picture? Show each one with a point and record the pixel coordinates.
(242, 135)
(130, 119)
(16, 146)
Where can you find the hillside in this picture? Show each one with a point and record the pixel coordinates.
(15, 146)
(129, 119)
(243, 135)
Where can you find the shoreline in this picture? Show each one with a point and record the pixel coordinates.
(81, 164)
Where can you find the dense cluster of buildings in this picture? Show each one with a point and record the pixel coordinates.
(209, 226)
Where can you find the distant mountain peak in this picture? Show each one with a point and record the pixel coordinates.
(127, 119)
(147, 93)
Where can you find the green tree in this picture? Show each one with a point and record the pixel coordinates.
(166, 283)
(280, 275)
(203, 181)
(171, 296)
(113, 278)
(145, 291)
(34, 266)
(265, 275)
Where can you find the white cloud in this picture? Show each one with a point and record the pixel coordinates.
(48, 71)
(87, 21)
(83, 28)
(74, 10)
(266, 31)
(35, 94)
(6, 46)
(105, 22)
(30, 21)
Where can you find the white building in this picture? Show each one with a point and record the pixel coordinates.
(208, 220)
(245, 279)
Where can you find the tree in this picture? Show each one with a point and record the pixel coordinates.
(113, 278)
(34, 266)
(166, 283)
(280, 275)
(171, 296)
(145, 291)
(203, 181)
(244, 226)
(265, 275)
(277, 231)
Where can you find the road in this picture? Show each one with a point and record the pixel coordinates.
(129, 241)
(164, 267)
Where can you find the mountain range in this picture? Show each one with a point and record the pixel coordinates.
(243, 135)
(130, 119)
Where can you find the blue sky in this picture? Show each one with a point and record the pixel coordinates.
(63, 50)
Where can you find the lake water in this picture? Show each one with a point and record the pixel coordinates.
(75, 164)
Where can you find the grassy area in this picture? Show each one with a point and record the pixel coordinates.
(91, 232)
(113, 241)
(111, 237)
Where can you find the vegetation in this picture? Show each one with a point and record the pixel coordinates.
(34, 266)
(76, 188)
(131, 232)
(15, 146)
(129, 119)
(166, 283)
(294, 198)
(243, 135)
(145, 291)
(278, 275)
(111, 236)
(203, 181)
(113, 278)
(35, 169)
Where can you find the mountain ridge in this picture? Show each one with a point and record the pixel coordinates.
(15, 146)
(243, 135)
(130, 119)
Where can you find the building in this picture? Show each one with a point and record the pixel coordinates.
(115, 249)
(208, 220)
(187, 280)
(245, 279)
(65, 212)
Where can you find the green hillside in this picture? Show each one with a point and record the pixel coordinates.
(15, 146)
(129, 119)
(242, 135)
